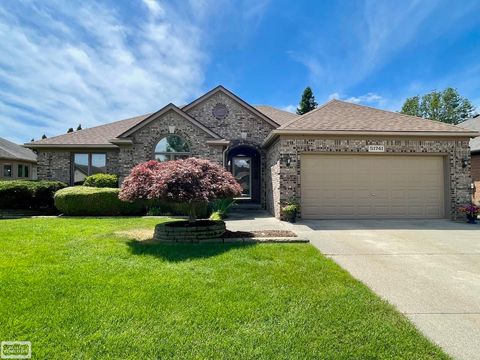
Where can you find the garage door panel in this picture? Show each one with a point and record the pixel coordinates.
(372, 186)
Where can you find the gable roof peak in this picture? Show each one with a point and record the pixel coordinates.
(230, 94)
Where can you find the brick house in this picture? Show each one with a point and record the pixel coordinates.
(16, 162)
(474, 124)
(339, 161)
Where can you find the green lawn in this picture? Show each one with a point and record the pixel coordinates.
(77, 290)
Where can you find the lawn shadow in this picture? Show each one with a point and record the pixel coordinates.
(182, 251)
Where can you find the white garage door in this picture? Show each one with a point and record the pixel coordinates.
(372, 186)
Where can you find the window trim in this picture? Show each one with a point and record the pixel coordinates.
(89, 166)
(175, 155)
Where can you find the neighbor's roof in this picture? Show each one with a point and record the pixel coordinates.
(12, 151)
(337, 115)
(95, 136)
(279, 116)
(473, 124)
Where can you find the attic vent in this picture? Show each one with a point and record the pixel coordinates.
(220, 111)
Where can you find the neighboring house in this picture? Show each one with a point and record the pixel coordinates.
(474, 124)
(16, 162)
(339, 161)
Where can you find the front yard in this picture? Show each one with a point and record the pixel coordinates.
(77, 288)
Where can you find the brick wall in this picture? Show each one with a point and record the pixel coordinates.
(290, 181)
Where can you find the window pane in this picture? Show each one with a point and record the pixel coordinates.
(99, 163)
(163, 157)
(80, 168)
(7, 170)
(20, 171)
(172, 143)
(27, 168)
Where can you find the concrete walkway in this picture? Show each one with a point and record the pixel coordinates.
(428, 269)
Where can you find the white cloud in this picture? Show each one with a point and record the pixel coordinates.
(88, 66)
(290, 108)
(334, 95)
(367, 98)
(155, 8)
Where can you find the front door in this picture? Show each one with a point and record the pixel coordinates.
(242, 171)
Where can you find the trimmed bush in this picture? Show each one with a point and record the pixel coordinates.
(92, 201)
(101, 181)
(28, 194)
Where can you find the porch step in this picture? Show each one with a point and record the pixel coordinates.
(246, 206)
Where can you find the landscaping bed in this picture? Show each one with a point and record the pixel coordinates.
(77, 289)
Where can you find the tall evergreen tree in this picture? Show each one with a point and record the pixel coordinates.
(44, 136)
(69, 130)
(79, 127)
(307, 102)
(446, 106)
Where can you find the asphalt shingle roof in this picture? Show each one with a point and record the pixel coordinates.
(279, 116)
(12, 151)
(337, 115)
(473, 124)
(98, 135)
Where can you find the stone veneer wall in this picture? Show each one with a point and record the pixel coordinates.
(272, 179)
(290, 182)
(56, 165)
(238, 119)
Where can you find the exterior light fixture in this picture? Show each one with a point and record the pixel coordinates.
(465, 162)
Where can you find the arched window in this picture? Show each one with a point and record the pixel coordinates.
(172, 147)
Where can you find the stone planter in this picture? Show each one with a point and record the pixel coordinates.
(183, 231)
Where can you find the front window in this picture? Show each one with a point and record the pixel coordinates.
(22, 171)
(87, 164)
(7, 170)
(172, 147)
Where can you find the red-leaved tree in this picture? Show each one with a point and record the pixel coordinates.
(192, 181)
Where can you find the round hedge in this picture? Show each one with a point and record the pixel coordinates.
(92, 201)
(101, 181)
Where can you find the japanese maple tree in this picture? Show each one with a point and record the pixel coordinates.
(192, 181)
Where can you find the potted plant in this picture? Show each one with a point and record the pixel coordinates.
(290, 210)
(471, 211)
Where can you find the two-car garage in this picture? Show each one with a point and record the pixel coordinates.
(356, 186)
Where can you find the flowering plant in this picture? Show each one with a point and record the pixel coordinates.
(191, 181)
(471, 209)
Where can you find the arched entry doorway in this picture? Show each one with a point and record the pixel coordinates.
(243, 162)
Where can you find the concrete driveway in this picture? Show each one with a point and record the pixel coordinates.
(430, 270)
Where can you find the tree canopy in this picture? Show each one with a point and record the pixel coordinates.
(446, 106)
(307, 102)
(191, 181)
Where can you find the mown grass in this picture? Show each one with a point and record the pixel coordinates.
(78, 290)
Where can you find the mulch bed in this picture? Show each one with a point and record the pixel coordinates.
(258, 234)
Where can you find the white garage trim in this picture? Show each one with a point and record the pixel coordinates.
(366, 186)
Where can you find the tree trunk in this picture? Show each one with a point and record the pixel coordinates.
(193, 214)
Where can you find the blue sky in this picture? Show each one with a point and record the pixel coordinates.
(68, 62)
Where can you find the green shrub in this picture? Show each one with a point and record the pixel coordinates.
(165, 208)
(28, 194)
(101, 181)
(91, 201)
(222, 207)
(216, 216)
